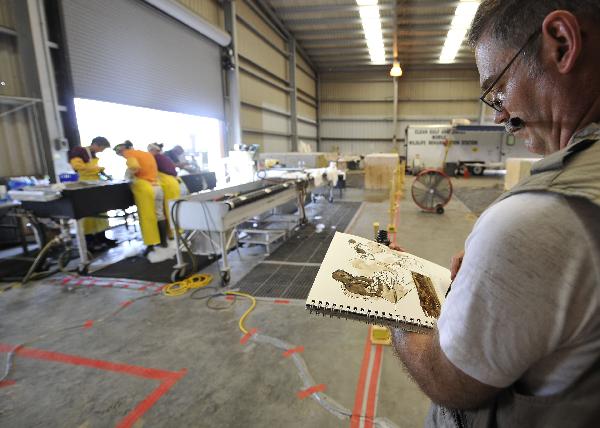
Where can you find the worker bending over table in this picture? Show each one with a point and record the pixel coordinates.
(167, 178)
(147, 193)
(84, 161)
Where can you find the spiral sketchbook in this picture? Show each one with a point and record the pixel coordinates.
(363, 280)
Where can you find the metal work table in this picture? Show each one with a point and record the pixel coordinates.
(221, 211)
(80, 200)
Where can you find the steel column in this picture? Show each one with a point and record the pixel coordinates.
(395, 117)
(293, 95)
(38, 72)
(234, 133)
(318, 112)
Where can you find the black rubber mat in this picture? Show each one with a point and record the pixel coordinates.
(140, 268)
(14, 269)
(279, 281)
(309, 243)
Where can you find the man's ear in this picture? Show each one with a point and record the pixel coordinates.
(562, 42)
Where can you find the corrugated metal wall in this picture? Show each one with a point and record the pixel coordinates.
(207, 9)
(357, 108)
(265, 85)
(19, 151)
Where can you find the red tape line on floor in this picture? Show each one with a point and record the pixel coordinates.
(167, 378)
(6, 383)
(282, 301)
(373, 385)
(126, 303)
(310, 391)
(247, 336)
(289, 352)
(360, 387)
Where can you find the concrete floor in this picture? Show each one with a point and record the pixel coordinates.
(201, 376)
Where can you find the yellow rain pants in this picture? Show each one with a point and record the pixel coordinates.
(150, 204)
(172, 191)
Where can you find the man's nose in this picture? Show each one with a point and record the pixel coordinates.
(501, 116)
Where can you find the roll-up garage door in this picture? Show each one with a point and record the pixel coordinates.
(127, 52)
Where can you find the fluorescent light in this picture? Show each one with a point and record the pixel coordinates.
(396, 70)
(463, 17)
(371, 23)
(366, 2)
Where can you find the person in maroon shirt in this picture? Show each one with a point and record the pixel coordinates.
(167, 177)
(165, 164)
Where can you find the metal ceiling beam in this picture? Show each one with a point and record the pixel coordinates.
(322, 8)
(316, 53)
(403, 60)
(346, 20)
(359, 37)
(309, 33)
(282, 9)
(415, 66)
(367, 60)
(343, 72)
(264, 6)
(361, 42)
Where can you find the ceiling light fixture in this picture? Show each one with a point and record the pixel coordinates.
(463, 17)
(371, 23)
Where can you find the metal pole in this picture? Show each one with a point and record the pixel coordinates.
(47, 85)
(234, 134)
(395, 53)
(293, 95)
(395, 118)
(84, 261)
(318, 112)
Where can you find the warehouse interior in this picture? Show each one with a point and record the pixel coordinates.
(287, 121)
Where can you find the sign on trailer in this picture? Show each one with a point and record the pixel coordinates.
(488, 146)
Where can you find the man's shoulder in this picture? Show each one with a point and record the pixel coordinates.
(537, 209)
(527, 222)
(78, 152)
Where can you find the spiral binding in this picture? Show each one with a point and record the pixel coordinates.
(370, 317)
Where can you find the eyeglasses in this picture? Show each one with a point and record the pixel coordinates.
(494, 100)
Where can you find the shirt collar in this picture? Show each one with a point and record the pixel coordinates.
(590, 132)
(580, 141)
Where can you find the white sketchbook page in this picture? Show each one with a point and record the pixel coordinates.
(361, 257)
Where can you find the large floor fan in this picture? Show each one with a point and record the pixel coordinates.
(432, 190)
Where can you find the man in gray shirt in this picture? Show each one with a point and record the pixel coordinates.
(518, 339)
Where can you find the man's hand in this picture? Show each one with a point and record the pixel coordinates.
(396, 247)
(455, 264)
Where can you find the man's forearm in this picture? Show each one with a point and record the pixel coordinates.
(415, 352)
(437, 377)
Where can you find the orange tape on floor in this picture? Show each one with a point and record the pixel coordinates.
(310, 391)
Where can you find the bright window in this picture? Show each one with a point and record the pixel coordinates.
(199, 136)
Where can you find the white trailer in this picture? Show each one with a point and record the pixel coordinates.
(475, 147)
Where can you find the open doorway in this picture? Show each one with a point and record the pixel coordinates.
(200, 137)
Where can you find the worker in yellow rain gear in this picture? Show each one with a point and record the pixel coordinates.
(147, 193)
(84, 161)
(167, 177)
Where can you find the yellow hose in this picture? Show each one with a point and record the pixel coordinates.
(179, 288)
(250, 309)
